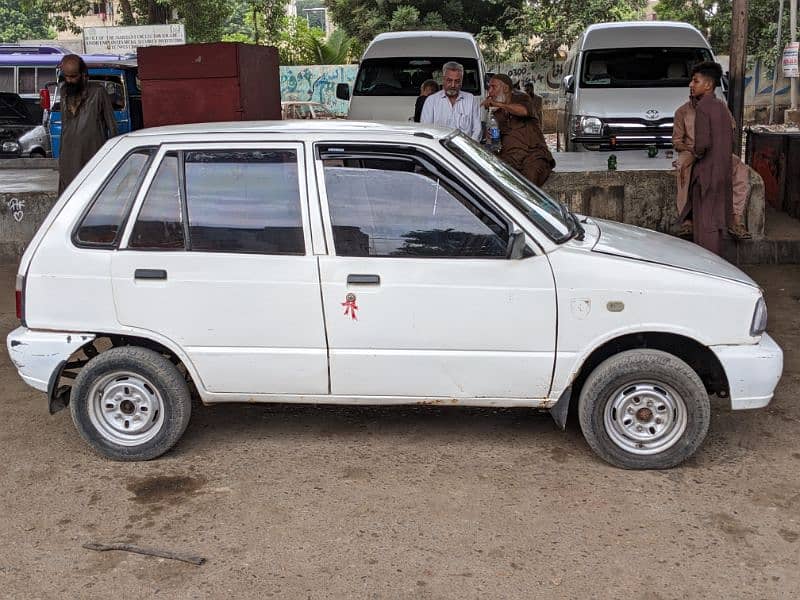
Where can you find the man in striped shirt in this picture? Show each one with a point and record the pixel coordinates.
(451, 107)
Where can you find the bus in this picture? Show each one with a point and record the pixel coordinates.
(25, 70)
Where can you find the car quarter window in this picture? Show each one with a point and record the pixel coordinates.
(400, 205)
(102, 224)
(244, 201)
(159, 225)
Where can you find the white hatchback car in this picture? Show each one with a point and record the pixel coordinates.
(366, 263)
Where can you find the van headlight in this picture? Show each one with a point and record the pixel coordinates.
(759, 324)
(587, 126)
(10, 147)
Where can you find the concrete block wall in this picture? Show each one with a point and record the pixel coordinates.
(643, 198)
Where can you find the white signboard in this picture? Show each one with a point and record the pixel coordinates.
(790, 68)
(125, 40)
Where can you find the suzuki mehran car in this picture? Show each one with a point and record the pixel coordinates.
(343, 262)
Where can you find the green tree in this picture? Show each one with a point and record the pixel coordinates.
(540, 27)
(714, 19)
(17, 22)
(364, 19)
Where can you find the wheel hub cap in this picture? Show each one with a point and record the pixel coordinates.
(645, 418)
(126, 408)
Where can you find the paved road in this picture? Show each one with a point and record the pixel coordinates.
(321, 502)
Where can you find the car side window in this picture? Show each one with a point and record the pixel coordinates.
(398, 206)
(159, 225)
(102, 224)
(244, 201)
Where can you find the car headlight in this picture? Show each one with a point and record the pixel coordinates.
(587, 126)
(759, 324)
(10, 147)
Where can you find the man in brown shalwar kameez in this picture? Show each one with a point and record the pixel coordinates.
(710, 203)
(683, 142)
(523, 145)
(87, 119)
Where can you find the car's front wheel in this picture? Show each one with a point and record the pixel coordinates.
(644, 409)
(130, 403)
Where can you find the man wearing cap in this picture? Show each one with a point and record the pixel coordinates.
(523, 144)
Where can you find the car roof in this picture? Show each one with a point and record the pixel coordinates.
(295, 127)
(643, 34)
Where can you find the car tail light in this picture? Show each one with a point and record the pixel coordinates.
(20, 297)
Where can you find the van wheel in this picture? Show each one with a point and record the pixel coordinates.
(644, 409)
(130, 403)
(38, 153)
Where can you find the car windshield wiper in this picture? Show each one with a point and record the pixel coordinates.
(579, 232)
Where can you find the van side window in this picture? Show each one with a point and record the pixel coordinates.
(159, 225)
(102, 224)
(244, 201)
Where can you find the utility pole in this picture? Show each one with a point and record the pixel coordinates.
(793, 29)
(737, 66)
(778, 65)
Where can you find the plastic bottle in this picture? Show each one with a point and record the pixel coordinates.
(493, 133)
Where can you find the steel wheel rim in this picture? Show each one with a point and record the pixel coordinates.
(645, 418)
(126, 408)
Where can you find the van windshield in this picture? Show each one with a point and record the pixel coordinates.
(640, 67)
(403, 76)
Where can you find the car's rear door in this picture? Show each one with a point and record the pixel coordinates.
(217, 258)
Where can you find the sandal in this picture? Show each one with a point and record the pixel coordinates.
(739, 232)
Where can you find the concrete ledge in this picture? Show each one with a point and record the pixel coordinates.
(29, 163)
(641, 193)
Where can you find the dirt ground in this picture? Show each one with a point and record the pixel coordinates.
(322, 502)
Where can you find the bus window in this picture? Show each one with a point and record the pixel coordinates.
(44, 75)
(7, 79)
(27, 80)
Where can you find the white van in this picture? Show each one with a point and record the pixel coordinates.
(395, 64)
(623, 82)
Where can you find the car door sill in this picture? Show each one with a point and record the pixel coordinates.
(212, 398)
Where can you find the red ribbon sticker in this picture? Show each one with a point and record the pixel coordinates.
(350, 306)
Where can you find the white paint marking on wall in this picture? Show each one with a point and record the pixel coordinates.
(17, 208)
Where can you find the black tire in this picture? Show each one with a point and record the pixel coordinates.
(130, 403)
(628, 399)
(38, 153)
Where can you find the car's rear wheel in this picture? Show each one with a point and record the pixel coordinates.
(644, 409)
(130, 403)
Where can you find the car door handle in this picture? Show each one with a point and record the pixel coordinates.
(360, 279)
(150, 274)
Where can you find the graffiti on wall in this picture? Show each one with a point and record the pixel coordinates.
(546, 77)
(317, 83)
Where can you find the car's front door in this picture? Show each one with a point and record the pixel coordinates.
(217, 259)
(419, 297)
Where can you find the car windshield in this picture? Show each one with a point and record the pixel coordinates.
(14, 111)
(403, 76)
(547, 214)
(640, 67)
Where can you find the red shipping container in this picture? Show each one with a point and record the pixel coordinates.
(199, 83)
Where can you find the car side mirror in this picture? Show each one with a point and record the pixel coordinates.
(516, 245)
(343, 91)
(569, 84)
